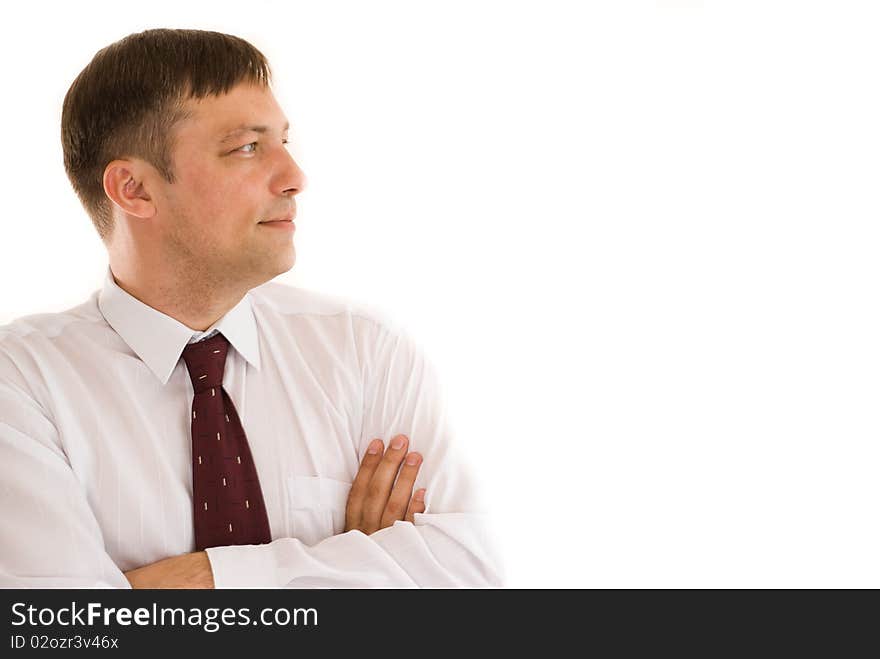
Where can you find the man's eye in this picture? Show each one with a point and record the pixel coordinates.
(252, 147)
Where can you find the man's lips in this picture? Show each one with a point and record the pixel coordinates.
(281, 224)
(285, 218)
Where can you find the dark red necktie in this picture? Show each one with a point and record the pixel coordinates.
(228, 505)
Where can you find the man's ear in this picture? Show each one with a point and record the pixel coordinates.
(124, 184)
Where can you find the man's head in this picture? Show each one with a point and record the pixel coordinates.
(175, 145)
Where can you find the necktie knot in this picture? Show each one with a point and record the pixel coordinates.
(205, 361)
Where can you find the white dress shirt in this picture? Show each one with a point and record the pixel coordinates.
(96, 451)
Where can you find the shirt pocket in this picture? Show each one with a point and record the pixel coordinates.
(317, 507)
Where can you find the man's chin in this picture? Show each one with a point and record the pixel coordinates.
(279, 265)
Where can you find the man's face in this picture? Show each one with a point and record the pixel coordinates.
(232, 171)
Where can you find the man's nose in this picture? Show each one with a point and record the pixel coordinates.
(290, 179)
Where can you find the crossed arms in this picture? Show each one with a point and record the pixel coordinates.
(375, 502)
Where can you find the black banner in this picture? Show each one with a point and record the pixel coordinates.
(229, 621)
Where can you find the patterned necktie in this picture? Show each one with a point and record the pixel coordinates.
(228, 505)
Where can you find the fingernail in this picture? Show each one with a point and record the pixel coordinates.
(420, 495)
(413, 459)
(397, 442)
(374, 446)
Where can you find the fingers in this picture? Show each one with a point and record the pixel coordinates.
(416, 505)
(357, 494)
(401, 494)
(381, 493)
(379, 488)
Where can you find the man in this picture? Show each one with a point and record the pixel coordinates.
(194, 424)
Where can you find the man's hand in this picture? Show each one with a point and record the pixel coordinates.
(375, 500)
(184, 571)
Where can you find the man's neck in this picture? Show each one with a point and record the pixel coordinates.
(196, 303)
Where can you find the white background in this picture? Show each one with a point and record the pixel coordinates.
(638, 239)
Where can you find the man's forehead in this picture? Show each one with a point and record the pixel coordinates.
(244, 109)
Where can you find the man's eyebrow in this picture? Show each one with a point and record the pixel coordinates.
(248, 128)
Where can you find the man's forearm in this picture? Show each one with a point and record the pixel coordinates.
(184, 571)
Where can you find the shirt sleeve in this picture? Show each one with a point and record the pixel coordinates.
(449, 545)
(51, 538)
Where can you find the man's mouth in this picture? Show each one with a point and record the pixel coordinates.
(285, 218)
(280, 224)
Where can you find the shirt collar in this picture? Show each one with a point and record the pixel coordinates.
(159, 339)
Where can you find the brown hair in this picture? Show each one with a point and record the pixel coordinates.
(126, 101)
